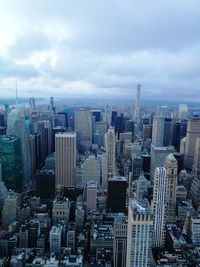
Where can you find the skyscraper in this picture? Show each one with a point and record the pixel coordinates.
(196, 165)
(16, 127)
(159, 207)
(110, 145)
(158, 131)
(171, 182)
(140, 231)
(83, 126)
(193, 132)
(10, 159)
(65, 149)
(91, 195)
(137, 106)
(116, 200)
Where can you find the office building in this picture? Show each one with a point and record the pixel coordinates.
(10, 159)
(140, 231)
(158, 157)
(196, 164)
(91, 195)
(137, 106)
(171, 179)
(193, 132)
(9, 212)
(83, 126)
(159, 207)
(91, 170)
(110, 145)
(55, 237)
(120, 240)
(101, 127)
(60, 211)
(167, 132)
(116, 199)
(158, 131)
(65, 149)
(16, 127)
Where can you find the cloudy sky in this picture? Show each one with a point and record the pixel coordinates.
(100, 48)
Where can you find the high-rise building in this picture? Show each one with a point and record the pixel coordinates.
(16, 127)
(65, 149)
(10, 159)
(91, 195)
(168, 132)
(158, 131)
(171, 180)
(83, 126)
(110, 145)
(193, 132)
(137, 106)
(183, 111)
(140, 231)
(159, 207)
(116, 199)
(9, 212)
(120, 240)
(32, 103)
(3, 189)
(119, 125)
(158, 157)
(60, 211)
(196, 165)
(31, 142)
(55, 238)
(91, 170)
(101, 127)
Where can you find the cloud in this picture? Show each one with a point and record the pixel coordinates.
(102, 47)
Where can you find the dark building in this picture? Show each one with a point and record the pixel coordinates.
(119, 125)
(179, 131)
(146, 165)
(96, 114)
(10, 158)
(2, 120)
(38, 151)
(168, 131)
(130, 127)
(66, 118)
(2, 130)
(45, 183)
(136, 168)
(55, 130)
(113, 118)
(116, 200)
(180, 161)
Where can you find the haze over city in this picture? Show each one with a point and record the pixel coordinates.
(100, 48)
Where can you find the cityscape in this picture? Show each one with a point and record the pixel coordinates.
(99, 134)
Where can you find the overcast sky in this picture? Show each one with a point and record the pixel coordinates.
(101, 48)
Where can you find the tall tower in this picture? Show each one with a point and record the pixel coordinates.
(16, 127)
(159, 206)
(110, 144)
(171, 175)
(140, 231)
(137, 105)
(193, 132)
(65, 148)
(158, 131)
(83, 126)
(196, 165)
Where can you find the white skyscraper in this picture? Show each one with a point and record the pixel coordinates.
(159, 207)
(140, 231)
(137, 106)
(171, 180)
(65, 150)
(182, 111)
(110, 144)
